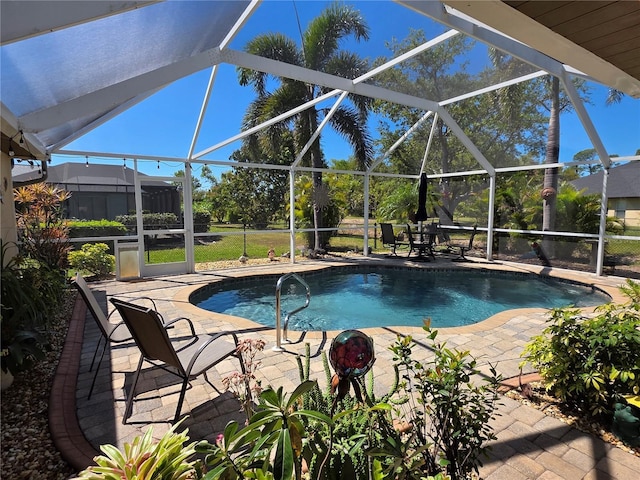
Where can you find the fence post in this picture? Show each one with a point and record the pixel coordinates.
(375, 235)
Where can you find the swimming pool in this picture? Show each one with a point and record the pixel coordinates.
(362, 298)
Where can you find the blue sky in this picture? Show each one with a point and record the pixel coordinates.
(163, 125)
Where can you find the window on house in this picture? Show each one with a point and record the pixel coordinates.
(621, 208)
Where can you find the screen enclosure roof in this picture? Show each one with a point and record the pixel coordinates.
(68, 66)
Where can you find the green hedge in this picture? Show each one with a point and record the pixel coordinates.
(95, 228)
(161, 221)
(151, 221)
(201, 221)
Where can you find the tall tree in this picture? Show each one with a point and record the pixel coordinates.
(440, 73)
(319, 51)
(587, 156)
(552, 153)
(256, 196)
(196, 185)
(556, 103)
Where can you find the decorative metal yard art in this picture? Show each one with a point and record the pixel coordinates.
(351, 356)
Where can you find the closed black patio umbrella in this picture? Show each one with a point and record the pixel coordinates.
(421, 214)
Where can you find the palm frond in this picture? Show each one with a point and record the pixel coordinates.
(349, 123)
(274, 46)
(323, 34)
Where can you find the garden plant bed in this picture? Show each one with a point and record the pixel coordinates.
(28, 451)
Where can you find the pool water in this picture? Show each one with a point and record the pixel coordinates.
(393, 297)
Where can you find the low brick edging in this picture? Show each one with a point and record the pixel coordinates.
(515, 382)
(63, 420)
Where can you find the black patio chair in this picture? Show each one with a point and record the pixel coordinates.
(463, 248)
(186, 356)
(110, 332)
(390, 240)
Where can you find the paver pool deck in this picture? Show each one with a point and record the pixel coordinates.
(529, 444)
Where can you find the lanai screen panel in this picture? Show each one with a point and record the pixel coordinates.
(65, 65)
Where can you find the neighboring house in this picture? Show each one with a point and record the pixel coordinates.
(623, 191)
(101, 191)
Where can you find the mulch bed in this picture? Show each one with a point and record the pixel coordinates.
(28, 451)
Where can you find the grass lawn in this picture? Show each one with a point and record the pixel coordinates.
(227, 243)
(226, 247)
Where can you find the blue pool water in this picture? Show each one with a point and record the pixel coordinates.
(392, 297)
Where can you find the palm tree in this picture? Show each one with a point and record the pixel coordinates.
(552, 153)
(319, 51)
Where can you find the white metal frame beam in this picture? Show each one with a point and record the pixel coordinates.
(214, 71)
(585, 119)
(111, 97)
(316, 134)
(391, 63)
(466, 141)
(492, 88)
(398, 142)
(489, 36)
(100, 121)
(268, 123)
(428, 147)
(294, 72)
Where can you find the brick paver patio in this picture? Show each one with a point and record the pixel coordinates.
(529, 444)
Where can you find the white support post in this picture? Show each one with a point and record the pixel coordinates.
(187, 204)
(365, 246)
(603, 223)
(490, 216)
(139, 221)
(292, 216)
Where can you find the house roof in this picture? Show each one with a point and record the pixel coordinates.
(623, 181)
(121, 53)
(70, 174)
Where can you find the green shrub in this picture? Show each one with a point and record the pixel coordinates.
(448, 414)
(158, 221)
(270, 446)
(94, 258)
(151, 221)
(354, 426)
(589, 363)
(31, 294)
(201, 221)
(95, 228)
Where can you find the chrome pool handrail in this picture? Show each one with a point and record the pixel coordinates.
(281, 332)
